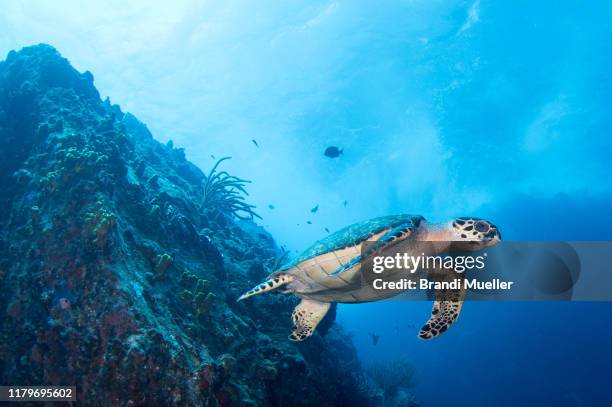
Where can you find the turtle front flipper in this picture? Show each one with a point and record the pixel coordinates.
(389, 238)
(306, 316)
(444, 313)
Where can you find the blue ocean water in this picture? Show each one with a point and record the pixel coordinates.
(495, 109)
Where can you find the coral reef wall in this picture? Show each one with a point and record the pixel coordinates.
(115, 280)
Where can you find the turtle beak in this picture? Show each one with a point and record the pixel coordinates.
(494, 239)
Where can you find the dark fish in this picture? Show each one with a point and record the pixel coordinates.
(397, 328)
(271, 206)
(255, 142)
(333, 152)
(411, 326)
(213, 157)
(313, 210)
(345, 202)
(309, 222)
(327, 230)
(375, 339)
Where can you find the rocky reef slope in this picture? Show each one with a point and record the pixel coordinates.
(114, 279)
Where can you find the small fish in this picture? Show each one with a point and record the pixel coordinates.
(375, 339)
(345, 203)
(271, 206)
(255, 142)
(396, 328)
(64, 303)
(327, 230)
(332, 152)
(213, 157)
(315, 209)
(411, 326)
(309, 222)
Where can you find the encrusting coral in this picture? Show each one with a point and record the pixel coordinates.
(197, 293)
(98, 223)
(162, 262)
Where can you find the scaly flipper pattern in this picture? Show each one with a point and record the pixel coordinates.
(306, 316)
(268, 285)
(444, 313)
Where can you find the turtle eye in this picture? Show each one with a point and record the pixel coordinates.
(481, 226)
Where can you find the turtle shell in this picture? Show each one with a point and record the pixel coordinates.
(353, 235)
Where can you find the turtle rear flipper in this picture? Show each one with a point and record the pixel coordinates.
(272, 283)
(306, 316)
(444, 313)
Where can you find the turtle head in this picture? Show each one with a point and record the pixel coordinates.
(477, 233)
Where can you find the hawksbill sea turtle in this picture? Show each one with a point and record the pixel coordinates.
(329, 271)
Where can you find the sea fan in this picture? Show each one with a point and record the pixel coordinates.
(226, 193)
